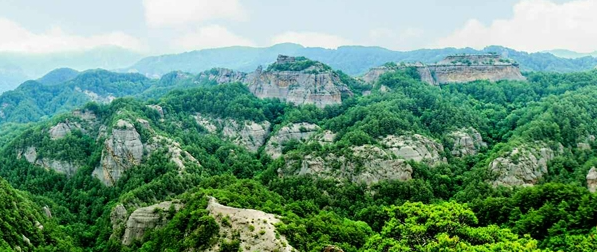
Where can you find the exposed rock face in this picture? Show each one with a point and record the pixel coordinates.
(369, 164)
(296, 131)
(592, 180)
(85, 115)
(122, 150)
(248, 134)
(223, 75)
(466, 141)
(62, 129)
(146, 218)
(178, 156)
(96, 97)
(331, 248)
(523, 166)
(316, 84)
(415, 147)
(458, 69)
(118, 216)
(262, 235)
(61, 166)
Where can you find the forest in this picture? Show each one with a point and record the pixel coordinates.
(456, 204)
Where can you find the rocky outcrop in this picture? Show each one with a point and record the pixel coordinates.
(176, 154)
(62, 129)
(457, 69)
(295, 131)
(61, 166)
(118, 216)
(248, 134)
(523, 166)
(146, 218)
(255, 228)
(331, 248)
(415, 147)
(122, 150)
(222, 75)
(466, 142)
(368, 164)
(157, 108)
(96, 97)
(317, 84)
(592, 180)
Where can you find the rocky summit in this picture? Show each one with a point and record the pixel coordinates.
(457, 69)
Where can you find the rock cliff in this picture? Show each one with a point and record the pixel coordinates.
(523, 166)
(466, 142)
(248, 134)
(61, 166)
(255, 228)
(122, 150)
(293, 79)
(368, 164)
(415, 147)
(457, 69)
(146, 218)
(592, 180)
(296, 131)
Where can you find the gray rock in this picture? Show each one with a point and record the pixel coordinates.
(295, 131)
(592, 180)
(118, 216)
(47, 212)
(66, 167)
(368, 164)
(466, 142)
(122, 150)
(222, 75)
(415, 147)
(261, 237)
(146, 218)
(248, 134)
(523, 166)
(62, 129)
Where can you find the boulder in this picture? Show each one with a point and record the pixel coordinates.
(295, 131)
(592, 180)
(146, 218)
(122, 150)
(466, 142)
(523, 166)
(415, 147)
(256, 229)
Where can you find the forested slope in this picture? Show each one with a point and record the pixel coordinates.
(482, 167)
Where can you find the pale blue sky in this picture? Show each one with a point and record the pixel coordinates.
(159, 26)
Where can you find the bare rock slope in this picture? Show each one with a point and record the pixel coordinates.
(255, 228)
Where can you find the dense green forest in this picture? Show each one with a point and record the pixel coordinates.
(452, 205)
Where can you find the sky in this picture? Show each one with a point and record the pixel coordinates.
(174, 26)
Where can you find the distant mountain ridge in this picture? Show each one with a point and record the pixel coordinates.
(352, 60)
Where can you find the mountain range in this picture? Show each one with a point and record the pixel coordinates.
(353, 60)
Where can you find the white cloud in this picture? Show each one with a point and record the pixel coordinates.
(311, 39)
(535, 26)
(162, 13)
(211, 36)
(15, 38)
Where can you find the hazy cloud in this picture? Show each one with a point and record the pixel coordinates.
(211, 36)
(535, 26)
(311, 39)
(161, 13)
(19, 39)
(388, 38)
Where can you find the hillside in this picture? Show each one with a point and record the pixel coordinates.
(352, 60)
(204, 163)
(15, 68)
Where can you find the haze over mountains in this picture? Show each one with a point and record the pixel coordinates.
(15, 68)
